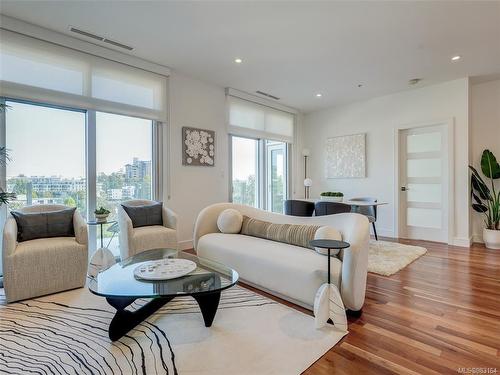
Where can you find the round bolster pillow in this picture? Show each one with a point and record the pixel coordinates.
(230, 221)
(327, 233)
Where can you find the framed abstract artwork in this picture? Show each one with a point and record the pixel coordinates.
(345, 156)
(198, 147)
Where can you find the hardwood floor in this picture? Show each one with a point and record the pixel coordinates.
(436, 316)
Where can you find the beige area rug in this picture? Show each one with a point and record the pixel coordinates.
(387, 258)
(66, 333)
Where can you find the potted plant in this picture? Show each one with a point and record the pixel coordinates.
(486, 200)
(334, 196)
(101, 214)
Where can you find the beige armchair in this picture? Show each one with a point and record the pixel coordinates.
(46, 265)
(135, 240)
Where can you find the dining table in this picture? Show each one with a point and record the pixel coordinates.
(348, 202)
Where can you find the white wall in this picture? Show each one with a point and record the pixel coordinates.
(378, 118)
(485, 133)
(196, 104)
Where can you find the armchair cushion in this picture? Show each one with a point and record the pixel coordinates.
(154, 237)
(32, 226)
(147, 215)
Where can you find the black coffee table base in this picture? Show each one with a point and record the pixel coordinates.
(124, 320)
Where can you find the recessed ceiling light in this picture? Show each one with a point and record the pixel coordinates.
(238, 60)
(319, 95)
(456, 58)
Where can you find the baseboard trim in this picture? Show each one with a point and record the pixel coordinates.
(462, 241)
(381, 232)
(477, 238)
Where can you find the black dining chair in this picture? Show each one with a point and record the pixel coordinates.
(298, 208)
(330, 208)
(369, 211)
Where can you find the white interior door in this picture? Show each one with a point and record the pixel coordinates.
(423, 177)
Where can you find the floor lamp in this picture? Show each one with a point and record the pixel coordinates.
(307, 181)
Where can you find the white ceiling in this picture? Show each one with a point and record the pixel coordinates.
(294, 49)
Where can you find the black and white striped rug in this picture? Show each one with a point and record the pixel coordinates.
(66, 333)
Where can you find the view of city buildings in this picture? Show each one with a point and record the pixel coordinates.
(133, 181)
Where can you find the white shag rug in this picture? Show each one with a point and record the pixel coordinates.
(387, 258)
(66, 333)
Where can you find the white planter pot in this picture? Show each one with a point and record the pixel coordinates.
(491, 238)
(331, 199)
(101, 217)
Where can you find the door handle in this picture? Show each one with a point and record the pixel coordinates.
(404, 188)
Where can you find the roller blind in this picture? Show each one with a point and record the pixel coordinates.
(249, 119)
(39, 70)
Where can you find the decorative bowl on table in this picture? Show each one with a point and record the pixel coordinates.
(101, 217)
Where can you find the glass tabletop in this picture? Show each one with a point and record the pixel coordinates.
(119, 280)
(97, 222)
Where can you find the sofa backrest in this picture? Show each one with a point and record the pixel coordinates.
(344, 223)
(353, 227)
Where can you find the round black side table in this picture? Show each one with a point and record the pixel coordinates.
(329, 245)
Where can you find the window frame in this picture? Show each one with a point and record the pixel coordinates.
(157, 163)
(262, 170)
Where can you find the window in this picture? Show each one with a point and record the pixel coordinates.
(244, 171)
(260, 140)
(52, 152)
(259, 173)
(276, 175)
(123, 173)
(47, 152)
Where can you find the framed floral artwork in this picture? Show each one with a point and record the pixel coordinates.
(198, 147)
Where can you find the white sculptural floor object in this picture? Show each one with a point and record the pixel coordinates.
(328, 305)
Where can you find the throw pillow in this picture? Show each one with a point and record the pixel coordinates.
(31, 226)
(293, 234)
(144, 216)
(327, 233)
(229, 221)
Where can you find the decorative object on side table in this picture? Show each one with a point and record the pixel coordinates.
(328, 305)
(102, 258)
(101, 214)
(332, 196)
(486, 200)
(198, 147)
(345, 156)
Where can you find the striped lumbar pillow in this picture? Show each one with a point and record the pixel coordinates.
(293, 234)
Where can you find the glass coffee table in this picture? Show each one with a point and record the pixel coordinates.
(120, 288)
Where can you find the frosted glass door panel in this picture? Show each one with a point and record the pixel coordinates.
(424, 167)
(424, 142)
(424, 193)
(423, 217)
(424, 183)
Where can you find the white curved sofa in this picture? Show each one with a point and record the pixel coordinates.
(287, 271)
